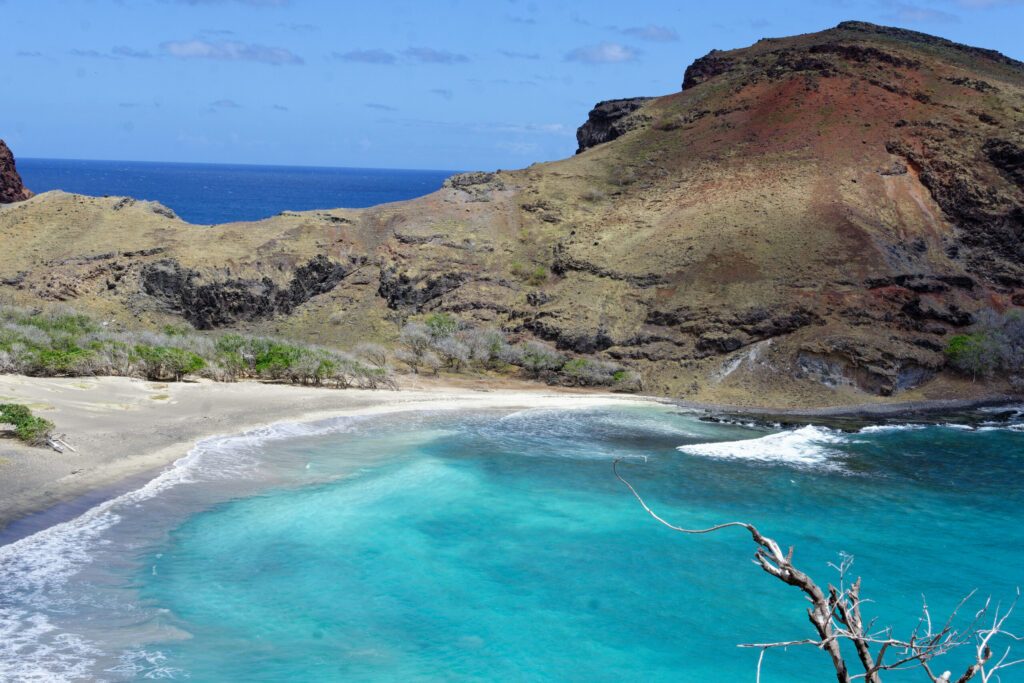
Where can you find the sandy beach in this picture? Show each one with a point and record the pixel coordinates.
(124, 430)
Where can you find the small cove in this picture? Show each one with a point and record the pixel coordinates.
(497, 545)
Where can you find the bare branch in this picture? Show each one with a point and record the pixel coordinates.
(836, 616)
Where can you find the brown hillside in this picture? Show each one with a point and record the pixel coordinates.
(806, 222)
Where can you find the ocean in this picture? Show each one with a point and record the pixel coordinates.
(206, 194)
(497, 545)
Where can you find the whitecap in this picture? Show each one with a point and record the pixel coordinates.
(887, 429)
(807, 446)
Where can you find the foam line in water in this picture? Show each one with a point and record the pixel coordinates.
(889, 429)
(807, 446)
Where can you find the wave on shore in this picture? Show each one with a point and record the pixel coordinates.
(35, 571)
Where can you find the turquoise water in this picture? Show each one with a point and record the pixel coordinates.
(497, 545)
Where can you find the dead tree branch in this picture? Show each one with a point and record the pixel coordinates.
(836, 616)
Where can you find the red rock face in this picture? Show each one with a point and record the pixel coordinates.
(11, 187)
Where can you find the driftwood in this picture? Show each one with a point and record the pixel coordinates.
(59, 444)
(835, 615)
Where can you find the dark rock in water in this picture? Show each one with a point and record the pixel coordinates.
(224, 302)
(11, 187)
(608, 120)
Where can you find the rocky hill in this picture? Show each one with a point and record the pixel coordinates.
(11, 187)
(808, 221)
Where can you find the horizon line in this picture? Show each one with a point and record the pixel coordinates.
(19, 159)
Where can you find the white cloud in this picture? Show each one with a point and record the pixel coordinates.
(230, 51)
(602, 53)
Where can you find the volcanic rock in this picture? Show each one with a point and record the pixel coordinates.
(11, 187)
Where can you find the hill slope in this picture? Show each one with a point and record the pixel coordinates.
(807, 221)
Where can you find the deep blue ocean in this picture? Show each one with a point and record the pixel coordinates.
(222, 193)
(496, 545)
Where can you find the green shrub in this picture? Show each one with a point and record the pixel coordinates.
(537, 358)
(538, 276)
(588, 372)
(168, 362)
(975, 354)
(535, 276)
(441, 325)
(177, 330)
(274, 359)
(66, 360)
(27, 427)
(71, 324)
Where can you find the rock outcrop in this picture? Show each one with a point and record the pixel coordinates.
(11, 187)
(608, 120)
(211, 302)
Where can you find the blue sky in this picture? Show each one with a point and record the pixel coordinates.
(455, 84)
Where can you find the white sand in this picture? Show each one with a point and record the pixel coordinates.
(124, 428)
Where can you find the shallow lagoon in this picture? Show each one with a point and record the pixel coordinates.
(499, 546)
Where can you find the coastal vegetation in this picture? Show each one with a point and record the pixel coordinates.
(29, 428)
(443, 341)
(66, 343)
(994, 344)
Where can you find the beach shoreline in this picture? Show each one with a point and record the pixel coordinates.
(126, 431)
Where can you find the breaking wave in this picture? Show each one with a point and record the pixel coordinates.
(806, 446)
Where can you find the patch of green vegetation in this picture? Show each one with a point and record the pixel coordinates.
(442, 325)
(62, 360)
(995, 343)
(168, 362)
(274, 358)
(27, 427)
(177, 330)
(535, 276)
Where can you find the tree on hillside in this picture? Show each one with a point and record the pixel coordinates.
(836, 617)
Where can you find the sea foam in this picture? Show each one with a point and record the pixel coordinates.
(806, 446)
(35, 570)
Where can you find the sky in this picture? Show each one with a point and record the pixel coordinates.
(443, 84)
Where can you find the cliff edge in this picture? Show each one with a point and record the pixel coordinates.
(11, 187)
